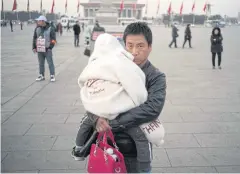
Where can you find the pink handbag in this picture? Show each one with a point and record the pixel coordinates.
(101, 160)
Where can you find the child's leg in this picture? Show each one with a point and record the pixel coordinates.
(82, 134)
(84, 130)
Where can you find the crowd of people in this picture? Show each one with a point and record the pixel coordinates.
(216, 42)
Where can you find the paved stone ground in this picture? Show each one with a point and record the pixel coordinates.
(201, 115)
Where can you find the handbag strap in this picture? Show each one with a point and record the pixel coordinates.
(105, 135)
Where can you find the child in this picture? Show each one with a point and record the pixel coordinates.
(216, 46)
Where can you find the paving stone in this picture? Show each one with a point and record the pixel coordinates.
(203, 102)
(229, 108)
(170, 117)
(32, 110)
(58, 110)
(75, 118)
(15, 143)
(160, 158)
(53, 129)
(15, 103)
(185, 170)
(208, 127)
(5, 116)
(204, 156)
(53, 118)
(78, 110)
(15, 128)
(64, 143)
(234, 117)
(3, 155)
(40, 160)
(203, 117)
(179, 141)
(218, 140)
(184, 109)
(228, 169)
(24, 118)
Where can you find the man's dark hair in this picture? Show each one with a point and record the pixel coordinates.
(137, 28)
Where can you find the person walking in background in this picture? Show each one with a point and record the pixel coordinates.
(11, 25)
(44, 39)
(83, 25)
(68, 27)
(216, 46)
(187, 36)
(60, 28)
(77, 31)
(174, 36)
(21, 24)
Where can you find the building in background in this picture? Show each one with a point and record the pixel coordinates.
(131, 11)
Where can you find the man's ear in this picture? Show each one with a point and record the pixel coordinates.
(150, 47)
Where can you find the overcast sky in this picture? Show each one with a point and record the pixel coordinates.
(228, 7)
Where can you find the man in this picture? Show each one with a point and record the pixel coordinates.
(77, 31)
(68, 27)
(11, 25)
(187, 36)
(174, 36)
(83, 25)
(138, 41)
(44, 39)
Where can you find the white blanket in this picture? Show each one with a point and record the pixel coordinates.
(112, 83)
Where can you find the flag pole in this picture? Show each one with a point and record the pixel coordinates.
(193, 19)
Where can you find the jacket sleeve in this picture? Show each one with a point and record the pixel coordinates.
(220, 39)
(52, 38)
(34, 45)
(148, 111)
(211, 39)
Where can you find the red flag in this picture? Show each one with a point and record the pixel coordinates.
(14, 5)
(170, 8)
(181, 9)
(134, 6)
(78, 6)
(66, 7)
(28, 6)
(205, 6)
(52, 9)
(158, 6)
(193, 7)
(122, 6)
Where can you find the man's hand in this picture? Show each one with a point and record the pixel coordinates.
(102, 125)
(34, 51)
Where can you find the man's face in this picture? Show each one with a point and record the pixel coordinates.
(138, 46)
(41, 23)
